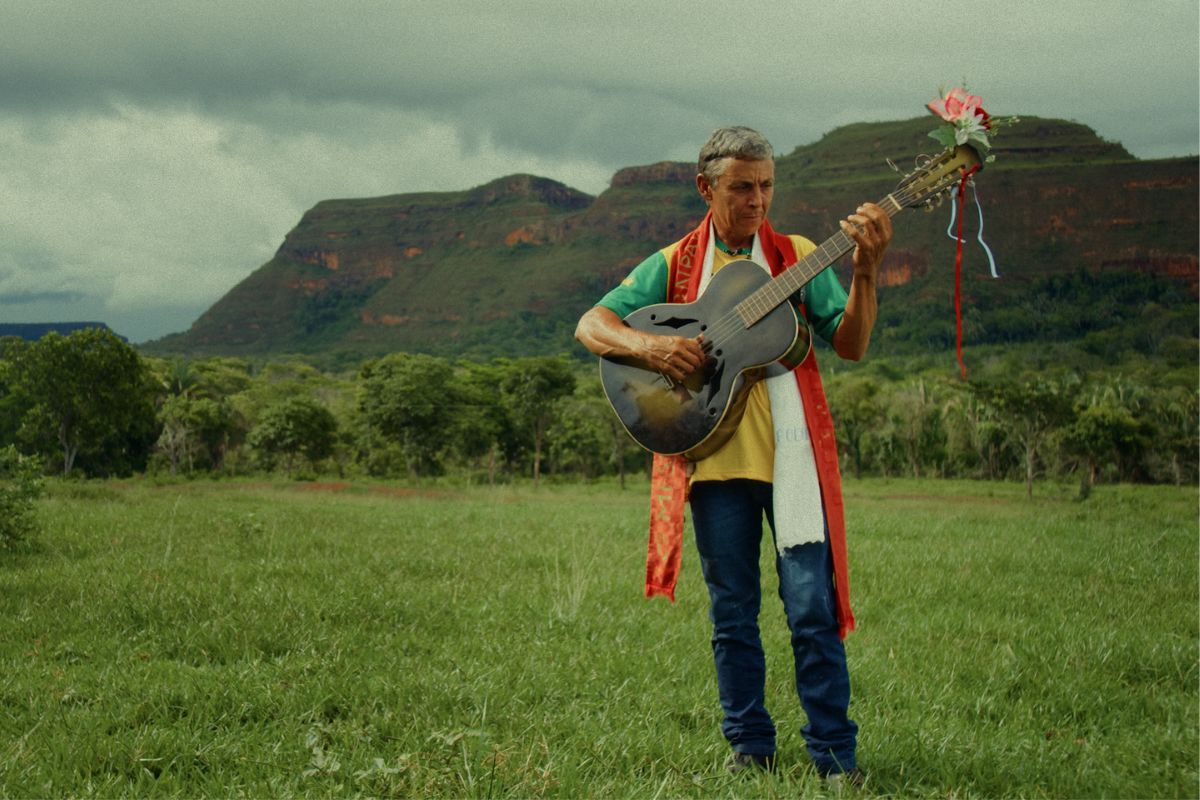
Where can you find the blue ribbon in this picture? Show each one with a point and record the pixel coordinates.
(979, 236)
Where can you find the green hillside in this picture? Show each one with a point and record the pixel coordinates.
(1093, 246)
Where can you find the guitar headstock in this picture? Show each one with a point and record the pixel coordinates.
(932, 180)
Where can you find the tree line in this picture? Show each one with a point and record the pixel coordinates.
(89, 404)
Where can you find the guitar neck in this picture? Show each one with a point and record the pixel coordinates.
(764, 300)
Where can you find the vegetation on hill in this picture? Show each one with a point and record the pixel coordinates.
(505, 269)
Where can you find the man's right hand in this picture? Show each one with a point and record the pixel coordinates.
(606, 335)
(674, 356)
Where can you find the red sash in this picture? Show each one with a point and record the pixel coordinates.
(668, 480)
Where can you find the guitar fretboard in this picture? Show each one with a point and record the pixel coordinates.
(764, 300)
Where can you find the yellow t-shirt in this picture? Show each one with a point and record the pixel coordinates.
(750, 452)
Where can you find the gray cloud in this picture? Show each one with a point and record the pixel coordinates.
(545, 77)
(40, 298)
(156, 152)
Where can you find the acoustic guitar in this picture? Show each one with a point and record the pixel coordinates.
(748, 324)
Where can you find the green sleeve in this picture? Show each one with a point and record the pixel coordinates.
(824, 302)
(645, 285)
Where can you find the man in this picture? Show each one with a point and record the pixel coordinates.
(733, 488)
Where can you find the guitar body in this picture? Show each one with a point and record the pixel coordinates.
(747, 324)
(696, 417)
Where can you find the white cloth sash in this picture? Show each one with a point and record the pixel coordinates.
(796, 490)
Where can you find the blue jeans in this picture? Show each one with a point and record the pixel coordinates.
(727, 517)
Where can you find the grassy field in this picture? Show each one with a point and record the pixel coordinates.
(225, 639)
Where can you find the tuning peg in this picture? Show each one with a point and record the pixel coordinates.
(934, 201)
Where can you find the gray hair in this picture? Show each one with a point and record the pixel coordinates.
(734, 141)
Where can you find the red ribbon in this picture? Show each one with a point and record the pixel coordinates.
(962, 199)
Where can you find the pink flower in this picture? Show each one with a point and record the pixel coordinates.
(957, 105)
(964, 121)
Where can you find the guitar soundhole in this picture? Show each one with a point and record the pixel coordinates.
(703, 328)
(719, 352)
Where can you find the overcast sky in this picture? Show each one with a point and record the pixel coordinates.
(153, 154)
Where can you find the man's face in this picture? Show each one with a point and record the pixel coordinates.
(740, 200)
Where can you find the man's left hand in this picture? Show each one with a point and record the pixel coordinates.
(871, 229)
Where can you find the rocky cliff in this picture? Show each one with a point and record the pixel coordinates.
(506, 268)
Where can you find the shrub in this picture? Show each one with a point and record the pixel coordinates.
(20, 487)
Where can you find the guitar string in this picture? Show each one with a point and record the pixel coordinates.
(732, 324)
(753, 308)
(767, 297)
(764, 299)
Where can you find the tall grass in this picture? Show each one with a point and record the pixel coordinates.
(219, 639)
